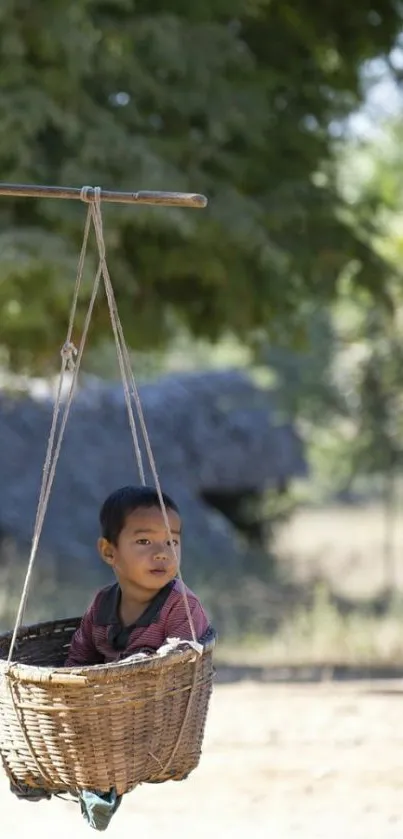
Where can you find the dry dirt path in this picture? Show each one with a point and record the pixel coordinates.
(303, 761)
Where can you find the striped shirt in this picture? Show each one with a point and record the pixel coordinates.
(102, 638)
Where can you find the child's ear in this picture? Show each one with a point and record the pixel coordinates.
(106, 551)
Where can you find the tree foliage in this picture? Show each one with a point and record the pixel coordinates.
(237, 100)
(345, 391)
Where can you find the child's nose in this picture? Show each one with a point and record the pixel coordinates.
(164, 551)
(161, 552)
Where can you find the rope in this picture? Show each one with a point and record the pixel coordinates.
(46, 782)
(97, 220)
(68, 352)
(117, 329)
(164, 767)
(49, 473)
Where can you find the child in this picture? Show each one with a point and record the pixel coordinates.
(146, 605)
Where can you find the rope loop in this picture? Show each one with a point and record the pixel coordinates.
(90, 194)
(87, 194)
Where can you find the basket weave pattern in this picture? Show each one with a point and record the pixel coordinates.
(112, 725)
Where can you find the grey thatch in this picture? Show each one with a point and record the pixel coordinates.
(211, 433)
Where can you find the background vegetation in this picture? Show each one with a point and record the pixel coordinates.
(283, 114)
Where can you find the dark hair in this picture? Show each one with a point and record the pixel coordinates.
(124, 501)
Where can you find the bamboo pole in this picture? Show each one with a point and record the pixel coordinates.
(163, 199)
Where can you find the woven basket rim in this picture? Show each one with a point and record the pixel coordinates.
(81, 676)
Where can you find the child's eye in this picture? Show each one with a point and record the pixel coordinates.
(174, 542)
(142, 542)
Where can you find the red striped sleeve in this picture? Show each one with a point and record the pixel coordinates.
(82, 650)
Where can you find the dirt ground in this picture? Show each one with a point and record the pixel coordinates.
(319, 760)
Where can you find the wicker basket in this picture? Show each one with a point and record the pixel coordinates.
(111, 725)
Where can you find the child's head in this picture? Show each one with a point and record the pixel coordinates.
(135, 541)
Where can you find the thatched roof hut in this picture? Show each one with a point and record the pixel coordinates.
(213, 435)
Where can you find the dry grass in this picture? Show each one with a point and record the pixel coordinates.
(322, 634)
(357, 556)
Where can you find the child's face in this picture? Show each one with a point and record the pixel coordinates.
(143, 555)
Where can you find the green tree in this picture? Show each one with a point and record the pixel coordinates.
(233, 99)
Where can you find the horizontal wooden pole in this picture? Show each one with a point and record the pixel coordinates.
(163, 199)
